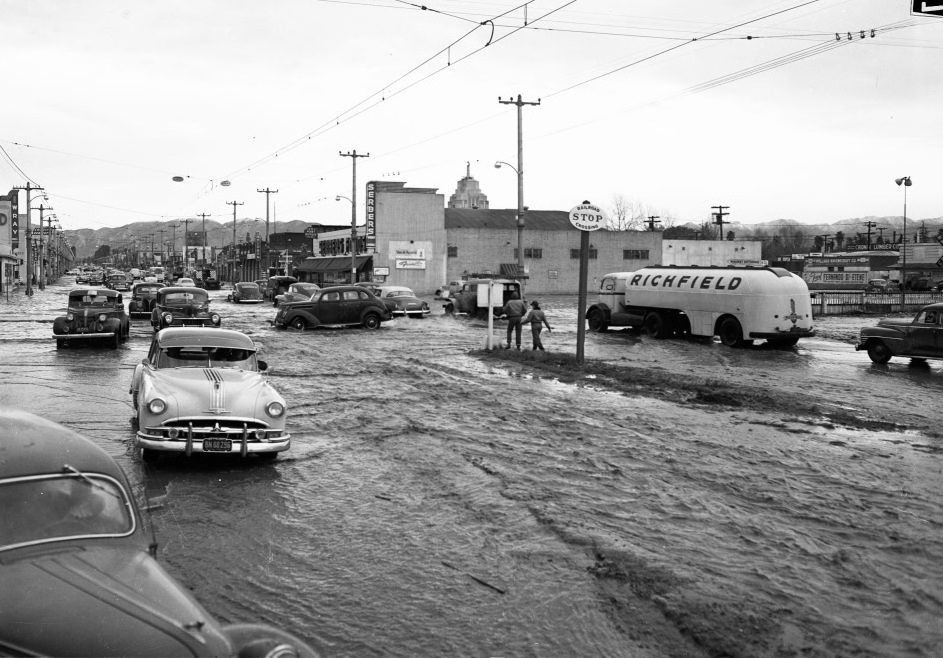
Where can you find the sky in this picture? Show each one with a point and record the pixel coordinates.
(673, 106)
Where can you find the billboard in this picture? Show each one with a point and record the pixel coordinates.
(6, 226)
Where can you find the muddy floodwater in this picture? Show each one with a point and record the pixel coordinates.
(437, 503)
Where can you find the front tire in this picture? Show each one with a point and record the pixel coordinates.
(597, 321)
(879, 352)
(371, 321)
(298, 323)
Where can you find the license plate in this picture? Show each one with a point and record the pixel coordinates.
(217, 445)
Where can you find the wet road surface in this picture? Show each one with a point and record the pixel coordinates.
(437, 504)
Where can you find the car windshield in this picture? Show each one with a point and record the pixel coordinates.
(178, 298)
(146, 290)
(400, 293)
(63, 506)
(247, 287)
(91, 300)
(207, 357)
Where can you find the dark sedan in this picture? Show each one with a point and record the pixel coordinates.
(183, 307)
(337, 306)
(93, 314)
(919, 338)
(142, 299)
(78, 573)
(246, 292)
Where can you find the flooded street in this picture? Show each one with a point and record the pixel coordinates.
(436, 503)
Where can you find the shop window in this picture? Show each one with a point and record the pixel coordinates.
(635, 254)
(453, 251)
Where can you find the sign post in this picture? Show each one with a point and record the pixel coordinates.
(587, 218)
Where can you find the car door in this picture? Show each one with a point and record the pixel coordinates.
(328, 308)
(350, 306)
(924, 334)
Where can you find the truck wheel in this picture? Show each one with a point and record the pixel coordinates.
(597, 321)
(654, 325)
(878, 352)
(731, 333)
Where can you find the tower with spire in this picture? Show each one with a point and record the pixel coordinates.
(468, 193)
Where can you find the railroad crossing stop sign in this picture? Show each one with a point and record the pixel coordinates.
(587, 217)
(926, 8)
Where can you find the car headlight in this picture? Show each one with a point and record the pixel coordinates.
(168, 317)
(70, 317)
(102, 317)
(156, 406)
(275, 409)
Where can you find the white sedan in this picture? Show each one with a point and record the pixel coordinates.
(201, 390)
(403, 301)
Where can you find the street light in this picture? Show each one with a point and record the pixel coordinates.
(520, 213)
(906, 182)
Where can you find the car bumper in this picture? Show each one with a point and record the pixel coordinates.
(81, 336)
(240, 445)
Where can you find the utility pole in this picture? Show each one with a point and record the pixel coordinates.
(353, 155)
(719, 218)
(520, 175)
(234, 204)
(43, 245)
(163, 260)
(652, 220)
(869, 224)
(186, 258)
(267, 193)
(203, 215)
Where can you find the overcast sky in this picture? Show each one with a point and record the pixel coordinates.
(665, 103)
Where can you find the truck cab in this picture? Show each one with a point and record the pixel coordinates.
(472, 299)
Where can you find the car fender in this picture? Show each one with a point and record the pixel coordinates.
(602, 307)
(60, 325)
(309, 317)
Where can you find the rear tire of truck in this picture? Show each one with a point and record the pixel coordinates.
(730, 332)
(597, 321)
(654, 325)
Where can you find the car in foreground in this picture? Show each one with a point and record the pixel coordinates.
(203, 391)
(297, 292)
(142, 299)
(919, 338)
(78, 567)
(402, 301)
(183, 307)
(246, 292)
(93, 314)
(337, 306)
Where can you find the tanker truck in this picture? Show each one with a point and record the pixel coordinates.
(737, 304)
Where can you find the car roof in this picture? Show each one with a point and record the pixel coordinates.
(169, 289)
(203, 337)
(248, 283)
(32, 445)
(340, 288)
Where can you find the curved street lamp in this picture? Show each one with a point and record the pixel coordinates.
(520, 212)
(906, 182)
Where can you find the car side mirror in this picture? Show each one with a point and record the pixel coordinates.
(263, 365)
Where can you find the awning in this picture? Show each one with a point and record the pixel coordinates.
(333, 264)
(512, 271)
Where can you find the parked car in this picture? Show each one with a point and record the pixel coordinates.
(78, 567)
(402, 301)
(472, 299)
(277, 285)
(210, 283)
(245, 292)
(183, 307)
(446, 291)
(297, 292)
(93, 314)
(142, 299)
(333, 307)
(202, 391)
(185, 281)
(882, 285)
(920, 338)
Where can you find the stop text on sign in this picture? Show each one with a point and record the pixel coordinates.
(587, 217)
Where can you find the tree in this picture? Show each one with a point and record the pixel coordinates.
(730, 236)
(839, 239)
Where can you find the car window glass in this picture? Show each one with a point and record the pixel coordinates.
(228, 357)
(330, 297)
(364, 294)
(65, 506)
(351, 294)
